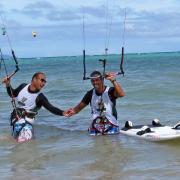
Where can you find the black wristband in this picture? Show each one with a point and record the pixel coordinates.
(113, 80)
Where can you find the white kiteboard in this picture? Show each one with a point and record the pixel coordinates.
(152, 132)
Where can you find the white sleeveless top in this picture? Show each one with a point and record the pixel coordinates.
(108, 105)
(27, 101)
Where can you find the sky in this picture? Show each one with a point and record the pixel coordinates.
(65, 28)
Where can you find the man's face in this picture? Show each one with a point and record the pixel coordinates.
(96, 82)
(39, 81)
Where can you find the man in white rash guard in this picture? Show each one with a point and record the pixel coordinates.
(28, 100)
(102, 100)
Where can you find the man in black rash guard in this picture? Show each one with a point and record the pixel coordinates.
(102, 100)
(29, 100)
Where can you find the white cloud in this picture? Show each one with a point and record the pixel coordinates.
(148, 20)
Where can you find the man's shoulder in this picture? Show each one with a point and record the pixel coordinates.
(21, 86)
(87, 97)
(41, 99)
(111, 89)
(111, 92)
(89, 92)
(41, 95)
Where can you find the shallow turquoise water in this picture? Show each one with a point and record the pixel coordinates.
(64, 150)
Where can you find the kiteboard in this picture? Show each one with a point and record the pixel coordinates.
(22, 130)
(153, 132)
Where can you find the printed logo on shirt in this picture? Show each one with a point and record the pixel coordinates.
(22, 101)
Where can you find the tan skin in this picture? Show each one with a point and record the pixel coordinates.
(98, 84)
(38, 82)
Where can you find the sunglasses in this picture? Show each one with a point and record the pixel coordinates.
(42, 80)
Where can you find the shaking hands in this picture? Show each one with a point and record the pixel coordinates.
(69, 112)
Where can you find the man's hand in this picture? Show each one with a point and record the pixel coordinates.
(111, 76)
(6, 81)
(69, 112)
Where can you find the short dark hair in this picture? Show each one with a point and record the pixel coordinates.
(37, 74)
(96, 74)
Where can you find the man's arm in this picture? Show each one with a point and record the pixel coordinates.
(85, 101)
(118, 91)
(12, 92)
(72, 111)
(43, 101)
(79, 107)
